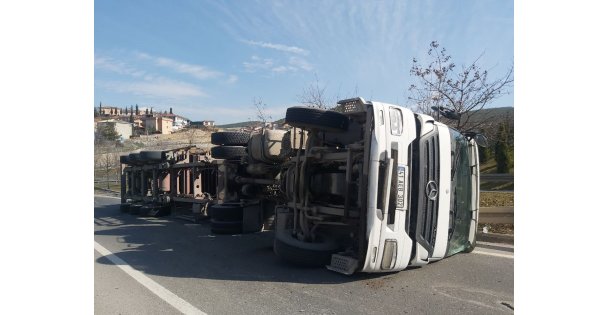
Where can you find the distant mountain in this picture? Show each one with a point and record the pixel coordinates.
(498, 113)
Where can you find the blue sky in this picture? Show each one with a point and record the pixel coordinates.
(208, 60)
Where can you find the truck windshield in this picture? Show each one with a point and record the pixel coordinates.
(460, 205)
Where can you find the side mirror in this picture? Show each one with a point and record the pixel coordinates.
(447, 113)
(481, 140)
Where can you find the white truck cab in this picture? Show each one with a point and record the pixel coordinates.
(375, 188)
(389, 246)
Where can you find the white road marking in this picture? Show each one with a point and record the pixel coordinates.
(104, 196)
(168, 296)
(474, 302)
(496, 244)
(495, 254)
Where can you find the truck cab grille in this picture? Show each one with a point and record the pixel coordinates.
(426, 179)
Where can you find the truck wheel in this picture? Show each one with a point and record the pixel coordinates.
(134, 209)
(159, 211)
(303, 253)
(124, 159)
(124, 207)
(315, 118)
(151, 155)
(134, 158)
(226, 227)
(228, 152)
(230, 138)
(226, 212)
(145, 210)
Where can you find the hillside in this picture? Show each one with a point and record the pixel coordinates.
(183, 138)
(493, 115)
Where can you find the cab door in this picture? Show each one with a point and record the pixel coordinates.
(474, 158)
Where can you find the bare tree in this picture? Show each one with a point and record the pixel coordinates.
(109, 164)
(191, 134)
(261, 111)
(353, 94)
(462, 93)
(314, 96)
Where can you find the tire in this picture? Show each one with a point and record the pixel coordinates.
(134, 209)
(159, 211)
(124, 207)
(230, 138)
(315, 118)
(226, 227)
(228, 152)
(152, 155)
(144, 211)
(134, 157)
(303, 254)
(226, 212)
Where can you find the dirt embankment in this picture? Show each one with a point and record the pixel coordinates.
(197, 137)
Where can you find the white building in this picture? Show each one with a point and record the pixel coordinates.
(123, 128)
(180, 122)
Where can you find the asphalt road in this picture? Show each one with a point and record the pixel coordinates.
(170, 266)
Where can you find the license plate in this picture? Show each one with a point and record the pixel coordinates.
(400, 187)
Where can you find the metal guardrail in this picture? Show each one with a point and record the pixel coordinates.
(496, 215)
(108, 190)
(497, 191)
(107, 181)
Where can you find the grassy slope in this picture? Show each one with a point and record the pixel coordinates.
(489, 167)
(497, 199)
(113, 186)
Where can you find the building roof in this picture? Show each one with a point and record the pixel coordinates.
(182, 117)
(174, 115)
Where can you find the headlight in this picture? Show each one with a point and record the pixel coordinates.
(389, 256)
(396, 121)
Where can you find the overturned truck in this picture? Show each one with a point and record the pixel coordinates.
(368, 186)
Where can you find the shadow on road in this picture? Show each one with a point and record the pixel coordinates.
(174, 248)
